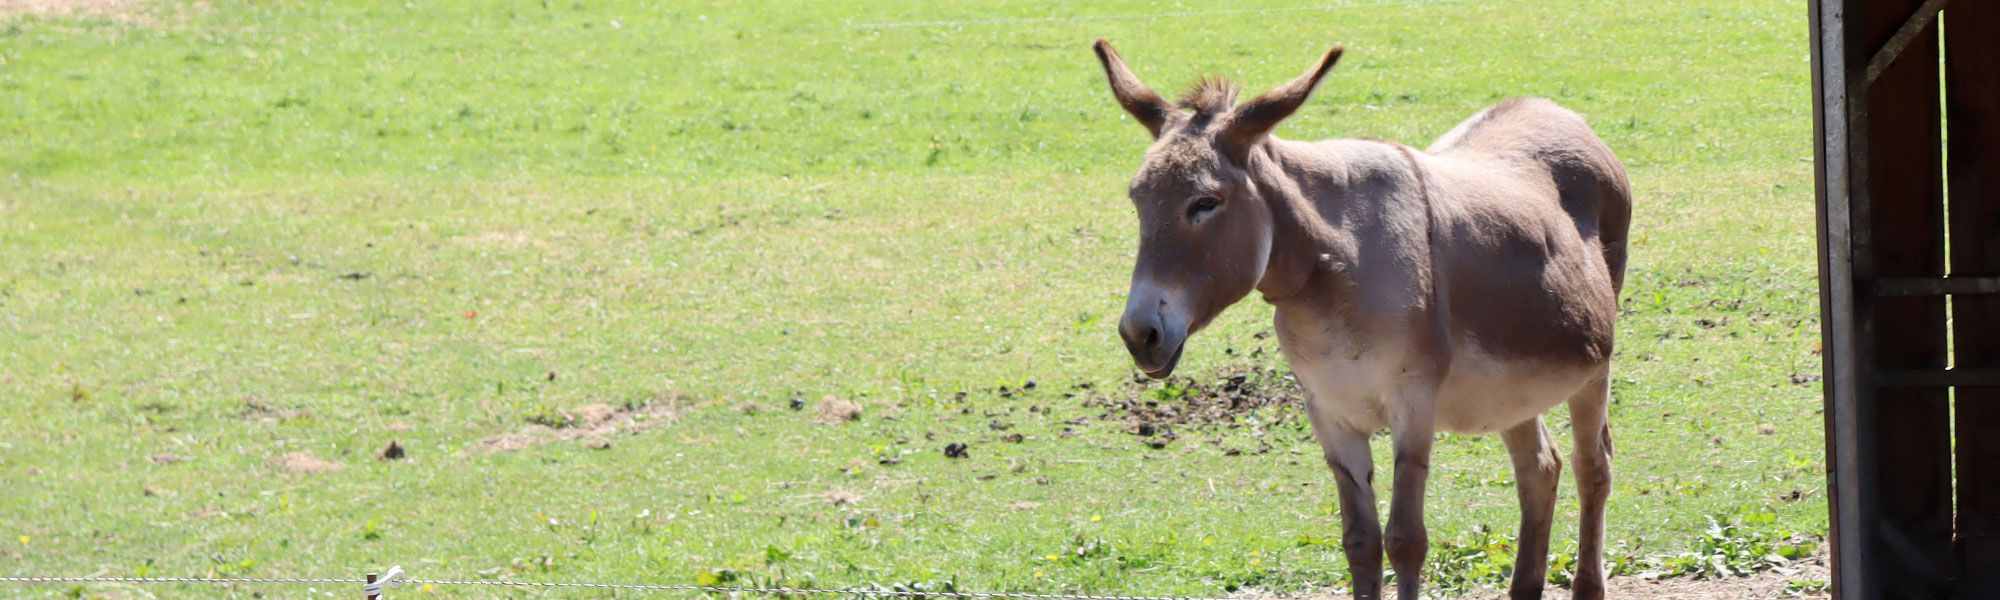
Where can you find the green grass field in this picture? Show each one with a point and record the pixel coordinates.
(235, 231)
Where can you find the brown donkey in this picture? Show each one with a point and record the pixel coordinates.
(1468, 287)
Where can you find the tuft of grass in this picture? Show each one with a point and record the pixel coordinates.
(1807, 587)
(1740, 544)
(1735, 547)
(1478, 559)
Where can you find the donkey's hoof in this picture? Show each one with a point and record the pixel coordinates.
(1585, 590)
(1525, 592)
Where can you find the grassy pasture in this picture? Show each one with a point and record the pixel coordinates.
(236, 231)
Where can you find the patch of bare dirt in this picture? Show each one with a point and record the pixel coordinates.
(591, 423)
(123, 10)
(305, 462)
(1768, 585)
(258, 411)
(506, 239)
(1158, 412)
(840, 497)
(834, 410)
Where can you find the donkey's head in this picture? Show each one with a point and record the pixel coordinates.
(1204, 233)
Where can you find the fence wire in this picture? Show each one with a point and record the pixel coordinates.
(776, 591)
(356, 581)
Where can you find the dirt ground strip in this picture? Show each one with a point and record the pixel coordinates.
(1768, 585)
(70, 8)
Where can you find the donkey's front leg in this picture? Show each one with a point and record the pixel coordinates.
(1347, 454)
(1411, 431)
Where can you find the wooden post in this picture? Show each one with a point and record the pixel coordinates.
(1838, 171)
(371, 579)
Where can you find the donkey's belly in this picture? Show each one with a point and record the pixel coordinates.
(1351, 392)
(1482, 394)
(1468, 402)
(1358, 382)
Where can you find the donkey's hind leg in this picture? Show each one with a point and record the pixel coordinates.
(1537, 470)
(1590, 422)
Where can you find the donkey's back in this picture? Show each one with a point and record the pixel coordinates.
(1549, 142)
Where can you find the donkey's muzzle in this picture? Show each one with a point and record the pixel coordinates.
(1152, 337)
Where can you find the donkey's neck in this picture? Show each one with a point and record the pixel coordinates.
(1326, 199)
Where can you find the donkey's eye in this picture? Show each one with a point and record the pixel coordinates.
(1202, 207)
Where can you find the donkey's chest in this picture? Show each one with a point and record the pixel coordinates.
(1347, 376)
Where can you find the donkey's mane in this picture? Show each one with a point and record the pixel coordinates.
(1211, 95)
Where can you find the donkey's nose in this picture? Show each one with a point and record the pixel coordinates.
(1142, 335)
(1155, 343)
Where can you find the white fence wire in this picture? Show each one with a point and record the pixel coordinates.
(374, 589)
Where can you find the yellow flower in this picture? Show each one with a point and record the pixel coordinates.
(1096, 518)
(24, 539)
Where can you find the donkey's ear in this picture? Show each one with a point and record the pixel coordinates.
(1251, 121)
(1146, 106)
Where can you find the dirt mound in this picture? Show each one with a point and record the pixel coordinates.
(1154, 410)
(305, 462)
(835, 410)
(590, 422)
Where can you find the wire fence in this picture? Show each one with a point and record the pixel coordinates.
(374, 587)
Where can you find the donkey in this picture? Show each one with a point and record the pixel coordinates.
(1468, 287)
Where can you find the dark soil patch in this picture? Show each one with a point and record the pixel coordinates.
(1159, 412)
(956, 450)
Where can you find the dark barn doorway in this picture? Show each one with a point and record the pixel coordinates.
(1907, 114)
